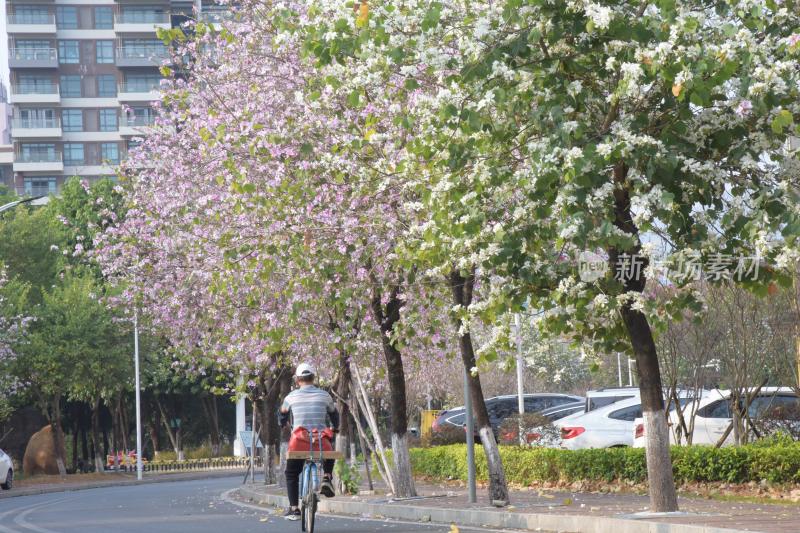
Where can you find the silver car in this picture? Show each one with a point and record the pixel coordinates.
(6, 471)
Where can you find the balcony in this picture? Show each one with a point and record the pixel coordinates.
(35, 94)
(37, 127)
(141, 56)
(31, 24)
(141, 22)
(38, 162)
(33, 58)
(136, 92)
(135, 125)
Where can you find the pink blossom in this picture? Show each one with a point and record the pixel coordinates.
(744, 108)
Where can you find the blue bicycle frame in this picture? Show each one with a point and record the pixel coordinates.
(310, 477)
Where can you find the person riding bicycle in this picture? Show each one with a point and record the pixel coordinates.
(310, 409)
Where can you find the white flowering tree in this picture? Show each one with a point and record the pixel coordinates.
(543, 129)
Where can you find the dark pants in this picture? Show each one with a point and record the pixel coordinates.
(293, 469)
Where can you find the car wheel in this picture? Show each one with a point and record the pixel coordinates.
(9, 480)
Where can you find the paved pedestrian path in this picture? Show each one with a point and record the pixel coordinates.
(559, 511)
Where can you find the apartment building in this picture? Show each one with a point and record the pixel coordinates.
(84, 74)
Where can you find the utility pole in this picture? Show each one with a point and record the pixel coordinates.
(619, 369)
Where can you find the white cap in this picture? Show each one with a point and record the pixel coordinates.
(304, 370)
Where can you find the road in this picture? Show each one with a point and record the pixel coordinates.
(174, 507)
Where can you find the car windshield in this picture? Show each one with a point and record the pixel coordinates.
(602, 401)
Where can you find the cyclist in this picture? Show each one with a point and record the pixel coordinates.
(310, 408)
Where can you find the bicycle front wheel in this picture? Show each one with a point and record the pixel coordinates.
(310, 509)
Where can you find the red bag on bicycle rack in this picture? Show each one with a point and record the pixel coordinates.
(299, 442)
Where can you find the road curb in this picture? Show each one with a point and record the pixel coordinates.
(162, 478)
(484, 518)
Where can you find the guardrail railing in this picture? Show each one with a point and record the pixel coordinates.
(33, 54)
(31, 18)
(32, 123)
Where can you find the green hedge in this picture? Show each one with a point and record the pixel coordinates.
(778, 463)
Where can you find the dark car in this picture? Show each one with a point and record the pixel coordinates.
(501, 407)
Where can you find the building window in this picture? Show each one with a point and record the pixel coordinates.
(105, 51)
(67, 17)
(32, 50)
(38, 152)
(71, 86)
(34, 84)
(142, 15)
(107, 85)
(141, 116)
(73, 154)
(39, 186)
(36, 118)
(103, 18)
(69, 52)
(30, 15)
(109, 153)
(108, 120)
(72, 120)
(143, 48)
(142, 83)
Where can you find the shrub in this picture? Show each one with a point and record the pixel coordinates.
(444, 435)
(538, 430)
(348, 476)
(779, 463)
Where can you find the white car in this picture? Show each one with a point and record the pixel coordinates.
(606, 427)
(6, 471)
(714, 415)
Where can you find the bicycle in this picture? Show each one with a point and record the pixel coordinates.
(309, 479)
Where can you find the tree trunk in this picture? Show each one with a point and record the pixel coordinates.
(386, 317)
(343, 439)
(75, 466)
(270, 434)
(114, 436)
(84, 449)
(462, 288)
(663, 497)
(212, 415)
(174, 436)
(58, 435)
(154, 423)
(122, 424)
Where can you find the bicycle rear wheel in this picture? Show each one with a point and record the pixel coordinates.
(309, 512)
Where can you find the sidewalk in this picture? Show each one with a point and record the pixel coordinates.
(556, 511)
(114, 480)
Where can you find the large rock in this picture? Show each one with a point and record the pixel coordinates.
(40, 456)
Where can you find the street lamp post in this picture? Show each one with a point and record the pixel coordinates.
(470, 428)
(520, 389)
(138, 395)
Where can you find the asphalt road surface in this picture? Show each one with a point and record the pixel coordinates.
(174, 507)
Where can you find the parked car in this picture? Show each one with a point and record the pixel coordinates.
(714, 415)
(6, 471)
(606, 427)
(501, 407)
